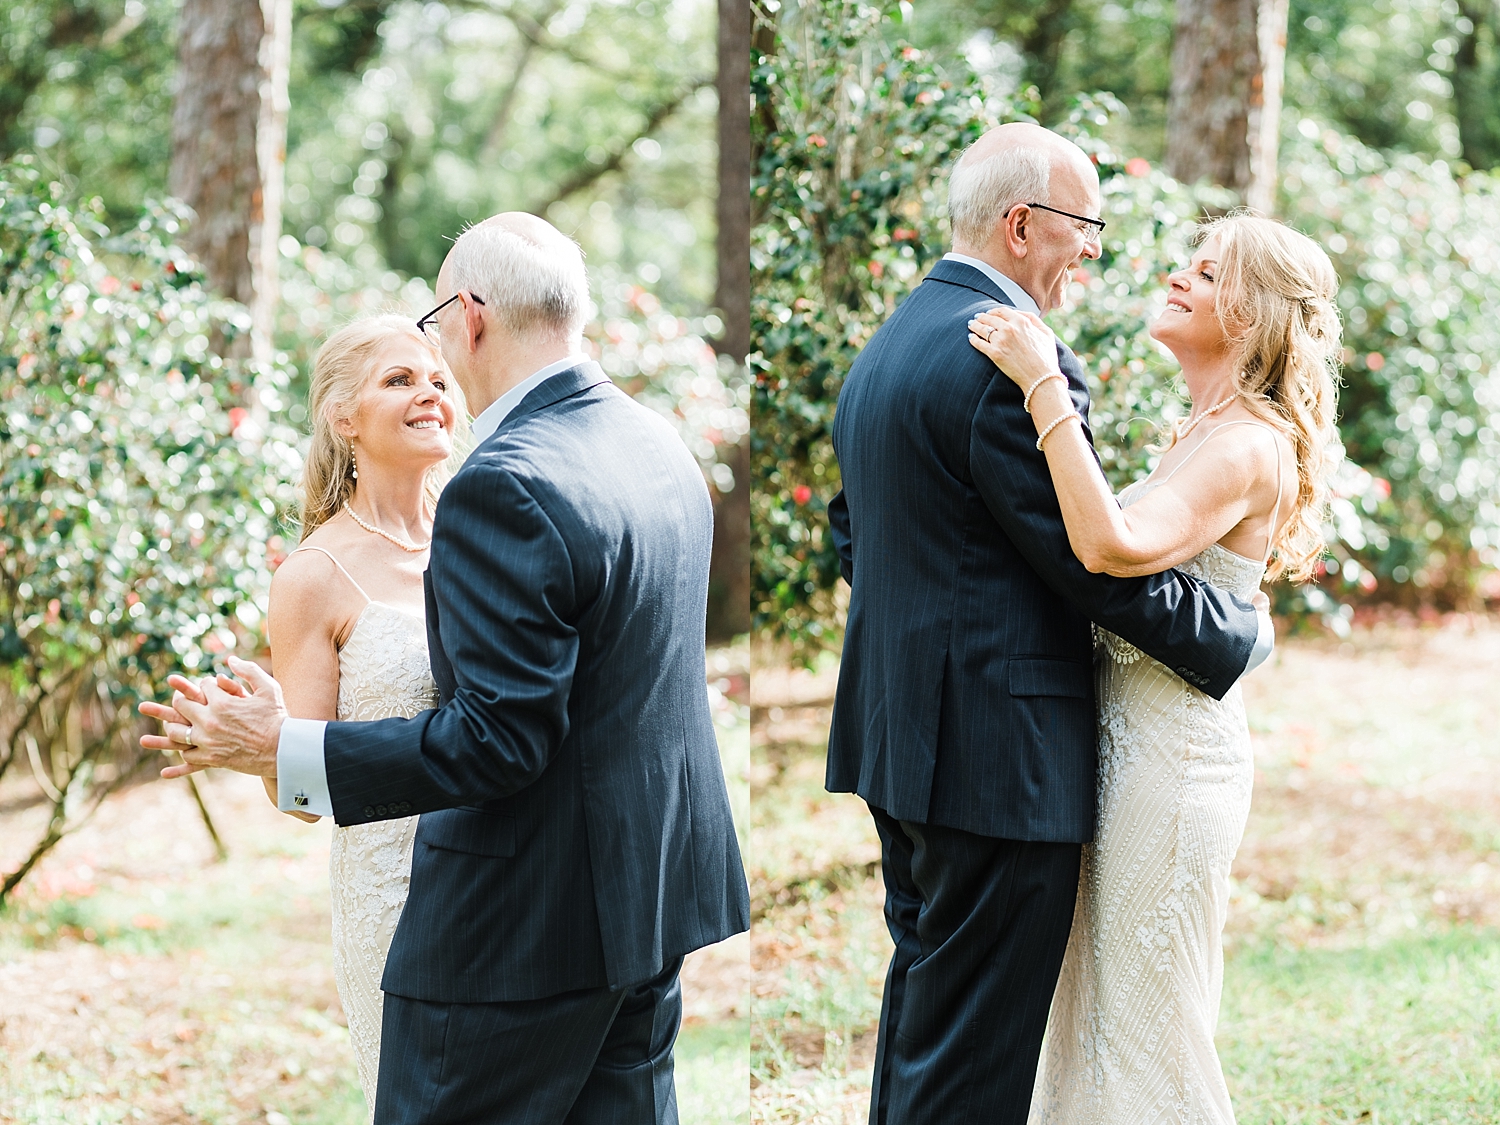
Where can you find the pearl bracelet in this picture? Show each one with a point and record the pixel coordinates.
(1026, 402)
(1068, 417)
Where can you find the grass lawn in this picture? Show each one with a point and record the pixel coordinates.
(1362, 979)
(140, 981)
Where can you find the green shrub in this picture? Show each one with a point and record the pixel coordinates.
(1416, 250)
(141, 477)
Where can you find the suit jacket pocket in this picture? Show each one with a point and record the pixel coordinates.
(1043, 675)
(471, 831)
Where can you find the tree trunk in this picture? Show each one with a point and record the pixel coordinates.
(1224, 114)
(729, 572)
(229, 146)
(1474, 87)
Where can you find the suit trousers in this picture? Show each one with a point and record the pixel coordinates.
(980, 927)
(591, 1057)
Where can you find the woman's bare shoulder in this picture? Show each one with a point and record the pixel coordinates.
(310, 587)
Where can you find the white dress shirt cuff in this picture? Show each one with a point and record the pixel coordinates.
(301, 776)
(1265, 641)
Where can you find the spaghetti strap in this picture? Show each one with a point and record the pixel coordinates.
(340, 565)
(1276, 509)
(1201, 444)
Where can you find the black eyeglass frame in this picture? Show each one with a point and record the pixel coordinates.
(431, 318)
(1099, 234)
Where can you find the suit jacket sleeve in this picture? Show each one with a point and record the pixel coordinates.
(503, 586)
(843, 538)
(1204, 634)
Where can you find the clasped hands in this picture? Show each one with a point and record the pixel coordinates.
(218, 723)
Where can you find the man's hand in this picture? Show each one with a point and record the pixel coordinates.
(215, 723)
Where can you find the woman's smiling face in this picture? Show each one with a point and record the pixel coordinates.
(1189, 323)
(404, 415)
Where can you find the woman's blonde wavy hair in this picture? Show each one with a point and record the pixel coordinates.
(1276, 294)
(343, 366)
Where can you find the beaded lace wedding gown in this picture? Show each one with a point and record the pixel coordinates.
(383, 672)
(1130, 1039)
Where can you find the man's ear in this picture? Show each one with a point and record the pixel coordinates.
(473, 321)
(1017, 230)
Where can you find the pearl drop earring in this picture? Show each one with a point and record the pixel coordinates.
(353, 464)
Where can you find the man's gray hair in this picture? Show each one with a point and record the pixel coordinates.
(981, 192)
(536, 287)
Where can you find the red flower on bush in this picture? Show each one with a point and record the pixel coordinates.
(237, 416)
(904, 234)
(877, 270)
(1137, 166)
(818, 139)
(802, 494)
(1374, 361)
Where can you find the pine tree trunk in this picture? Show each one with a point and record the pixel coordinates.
(729, 573)
(1224, 114)
(229, 145)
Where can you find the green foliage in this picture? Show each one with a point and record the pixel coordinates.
(137, 491)
(599, 116)
(87, 85)
(1415, 248)
(854, 133)
(409, 120)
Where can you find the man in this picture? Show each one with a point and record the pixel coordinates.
(576, 839)
(965, 708)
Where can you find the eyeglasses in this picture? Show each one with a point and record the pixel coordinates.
(428, 324)
(1093, 229)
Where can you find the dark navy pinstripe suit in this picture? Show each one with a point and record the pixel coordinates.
(576, 838)
(965, 709)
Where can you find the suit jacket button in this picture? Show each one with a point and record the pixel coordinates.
(380, 810)
(369, 810)
(405, 807)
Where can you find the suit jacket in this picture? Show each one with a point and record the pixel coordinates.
(966, 693)
(585, 839)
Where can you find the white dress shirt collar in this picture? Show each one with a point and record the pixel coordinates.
(498, 411)
(1018, 296)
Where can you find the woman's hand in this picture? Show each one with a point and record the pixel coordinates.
(1017, 342)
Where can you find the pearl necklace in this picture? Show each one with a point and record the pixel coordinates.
(1214, 409)
(373, 530)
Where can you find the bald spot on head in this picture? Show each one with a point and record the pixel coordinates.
(1069, 163)
(539, 232)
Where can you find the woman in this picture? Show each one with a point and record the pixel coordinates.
(348, 639)
(1237, 496)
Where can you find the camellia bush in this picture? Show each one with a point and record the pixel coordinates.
(141, 481)
(1417, 248)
